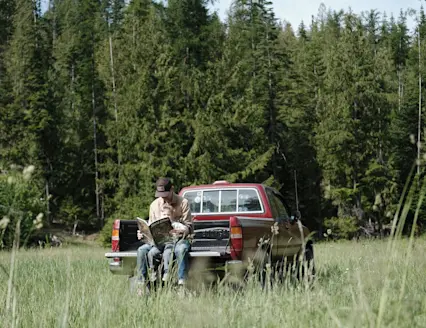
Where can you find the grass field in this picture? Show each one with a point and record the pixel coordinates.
(359, 284)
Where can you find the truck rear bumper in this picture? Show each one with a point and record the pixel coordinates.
(134, 253)
(124, 263)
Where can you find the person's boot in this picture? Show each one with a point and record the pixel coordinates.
(165, 276)
(141, 288)
(152, 275)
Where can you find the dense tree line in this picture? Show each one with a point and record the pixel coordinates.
(102, 97)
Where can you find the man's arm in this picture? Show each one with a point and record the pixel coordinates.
(186, 218)
(151, 213)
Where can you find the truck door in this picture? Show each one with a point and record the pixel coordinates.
(286, 243)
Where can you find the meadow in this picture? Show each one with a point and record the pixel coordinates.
(359, 284)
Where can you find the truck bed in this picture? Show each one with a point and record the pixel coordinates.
(211, 241)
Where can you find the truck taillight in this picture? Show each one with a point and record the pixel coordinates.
(115, 238)
(236, 238)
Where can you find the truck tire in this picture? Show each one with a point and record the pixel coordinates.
(264, 269)
(306, 267)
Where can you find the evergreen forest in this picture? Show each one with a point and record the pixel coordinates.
(98, 98)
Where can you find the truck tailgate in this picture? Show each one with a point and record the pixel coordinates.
(211, 236)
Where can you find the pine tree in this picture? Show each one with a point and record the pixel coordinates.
(7, 8)
(24, 114)
(405, 122)
(297, 98)
(141, 143)
(242, 108)
(79, 100)
(353, 123)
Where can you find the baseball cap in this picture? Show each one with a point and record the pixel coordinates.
(163, 187)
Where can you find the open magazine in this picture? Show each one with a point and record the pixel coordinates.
(157, 232)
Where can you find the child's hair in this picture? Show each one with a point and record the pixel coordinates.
(168, 210)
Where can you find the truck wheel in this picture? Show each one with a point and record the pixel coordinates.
(265, 272)
(306, 267)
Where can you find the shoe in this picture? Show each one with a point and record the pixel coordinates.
(165, 276)
(181, 282)
(152, 275)
(141, 288)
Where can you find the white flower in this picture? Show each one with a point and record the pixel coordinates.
(10, 180)
(275, 229)
(28, 171)
(4, 222)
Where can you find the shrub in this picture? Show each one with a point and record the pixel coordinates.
(21, 205)
(344, 227)
(105, 234)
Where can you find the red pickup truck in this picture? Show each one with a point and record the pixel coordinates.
(231, 222)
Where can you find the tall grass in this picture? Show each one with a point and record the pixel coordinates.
(72, 287)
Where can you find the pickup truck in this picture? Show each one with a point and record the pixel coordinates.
(232, 221)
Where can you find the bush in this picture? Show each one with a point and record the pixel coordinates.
(21, 206)
(339, 228)
(105, 234)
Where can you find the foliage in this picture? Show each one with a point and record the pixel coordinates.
(341, 227)
(105, 234)
(21, 205)
(104, 97)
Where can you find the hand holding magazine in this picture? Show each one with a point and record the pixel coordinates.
(157, 232)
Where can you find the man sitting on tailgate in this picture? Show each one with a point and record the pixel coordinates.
(167, 204)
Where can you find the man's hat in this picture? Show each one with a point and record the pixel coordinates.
(163, 187)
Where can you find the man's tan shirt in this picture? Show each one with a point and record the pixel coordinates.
(180, 213)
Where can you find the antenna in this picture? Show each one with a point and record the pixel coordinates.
(295, 186)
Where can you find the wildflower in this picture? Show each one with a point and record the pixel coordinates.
(250, 266)
(412, 139)
(28, 171)
(262, 242)
(39, 217)
(4, 222)
(37, 222)
(10, 180)
(275, 229)
(268, 267)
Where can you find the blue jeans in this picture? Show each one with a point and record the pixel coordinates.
(146, 255)
(181, 251)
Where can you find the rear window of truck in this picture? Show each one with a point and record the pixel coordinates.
(238, 200)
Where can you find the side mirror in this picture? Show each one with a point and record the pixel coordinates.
(296, 215)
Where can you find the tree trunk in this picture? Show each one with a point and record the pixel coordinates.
(112, 74)
(420, 111)
(98, 216)
(47, 202)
